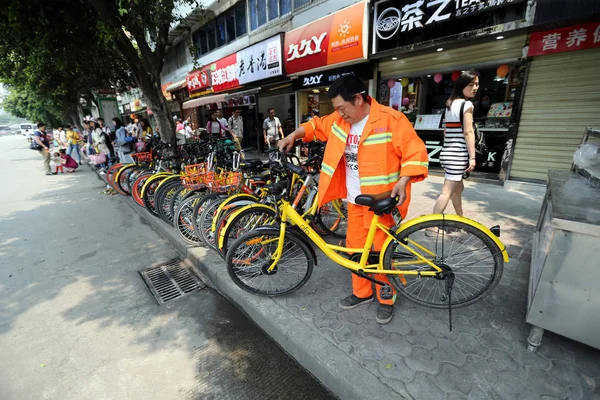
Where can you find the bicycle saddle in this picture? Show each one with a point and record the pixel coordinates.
(380, 203)
(276, 188)
(252, 163)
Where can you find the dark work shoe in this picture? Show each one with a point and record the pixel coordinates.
(385, 313)
(353, 301)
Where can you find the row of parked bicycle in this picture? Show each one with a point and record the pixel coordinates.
(213, 202)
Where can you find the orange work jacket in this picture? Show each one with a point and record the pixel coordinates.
(388, 149)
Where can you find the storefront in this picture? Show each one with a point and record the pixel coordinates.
(422, 52)
(324, 50)
(312, 89)
(561, 100)
(241, 80)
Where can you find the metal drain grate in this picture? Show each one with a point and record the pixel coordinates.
(171, 281)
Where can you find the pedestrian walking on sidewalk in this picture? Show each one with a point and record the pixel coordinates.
(42, 145)
(458, 155)
(371, 149)
(73, 140)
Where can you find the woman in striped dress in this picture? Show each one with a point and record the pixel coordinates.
(458, 154)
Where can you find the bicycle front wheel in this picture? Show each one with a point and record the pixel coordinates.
(454, 246)
(250, 256)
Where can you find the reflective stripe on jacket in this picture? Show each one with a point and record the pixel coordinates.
(388, 149)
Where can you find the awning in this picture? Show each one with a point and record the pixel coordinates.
(217, 98)
(242, 93)
(176, 86)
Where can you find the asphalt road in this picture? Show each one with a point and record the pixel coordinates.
(77, 321)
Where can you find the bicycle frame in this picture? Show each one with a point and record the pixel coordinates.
(288, 213)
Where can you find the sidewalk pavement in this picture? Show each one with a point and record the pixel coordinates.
(415, 356)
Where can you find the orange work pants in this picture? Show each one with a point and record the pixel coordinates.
(359, 220)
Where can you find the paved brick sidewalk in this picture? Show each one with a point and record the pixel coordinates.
(415, 356)
(485, 356)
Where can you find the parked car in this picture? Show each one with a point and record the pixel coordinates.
(27, 130)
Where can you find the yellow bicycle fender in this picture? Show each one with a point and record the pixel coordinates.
(150, 180)
(229, 200)
(235, 214)
(118, 173)
(449, 217)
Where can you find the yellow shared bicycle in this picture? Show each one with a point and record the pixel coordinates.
(437, 260)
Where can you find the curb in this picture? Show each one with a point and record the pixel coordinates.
(342, 375)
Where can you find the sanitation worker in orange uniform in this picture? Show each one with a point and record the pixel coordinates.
(371, 149)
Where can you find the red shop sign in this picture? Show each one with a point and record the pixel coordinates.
(198, 80)
(333, 39)
(224, 73)
(572, 38)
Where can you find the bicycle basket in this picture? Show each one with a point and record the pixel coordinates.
(194, 176)
(223, 182)
(144, 156)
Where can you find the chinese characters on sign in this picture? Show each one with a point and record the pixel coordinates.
(419, 14)
(330, 40)
(198, 80)
(571, 38)
(260, 61)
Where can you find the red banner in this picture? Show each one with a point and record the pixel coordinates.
(334, 39)
(224, 73)
(198, 80)
(572, 38)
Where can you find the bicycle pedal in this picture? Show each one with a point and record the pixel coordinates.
(386, 292)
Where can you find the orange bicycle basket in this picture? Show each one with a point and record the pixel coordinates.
(224, 181)
(194, 176)
(145, 156)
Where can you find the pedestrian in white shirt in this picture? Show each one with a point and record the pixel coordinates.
(236, 126)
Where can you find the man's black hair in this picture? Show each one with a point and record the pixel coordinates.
(348, 86)
(40, 124)
(269, 110)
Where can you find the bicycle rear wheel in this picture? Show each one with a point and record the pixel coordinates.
(162, 199)
(136, 188)
(204, 222)
(249, 259)
(458, 247)
(122, 178)
(332, 218)
(243, 222)
(149, 192)
(199, 207)
(181, 194)
(183, 220)
(110, 175)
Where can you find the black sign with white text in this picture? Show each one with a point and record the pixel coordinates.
(399, 23)
(326, 78)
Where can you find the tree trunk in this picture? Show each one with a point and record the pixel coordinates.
(158, 104)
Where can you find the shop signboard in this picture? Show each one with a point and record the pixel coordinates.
(136, 105)
(326, 78)
(336, 38)
(572, 38)
(198, 80)
(399, 23)
(223, 73)
(163, 89)
(260, 61)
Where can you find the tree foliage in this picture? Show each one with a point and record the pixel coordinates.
(140, 30)
(54, 54)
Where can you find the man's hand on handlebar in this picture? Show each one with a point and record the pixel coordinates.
(286, 143)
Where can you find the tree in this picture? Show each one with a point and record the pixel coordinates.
(53, 55)
(140, 29)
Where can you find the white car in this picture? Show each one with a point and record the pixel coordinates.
(27, 130)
